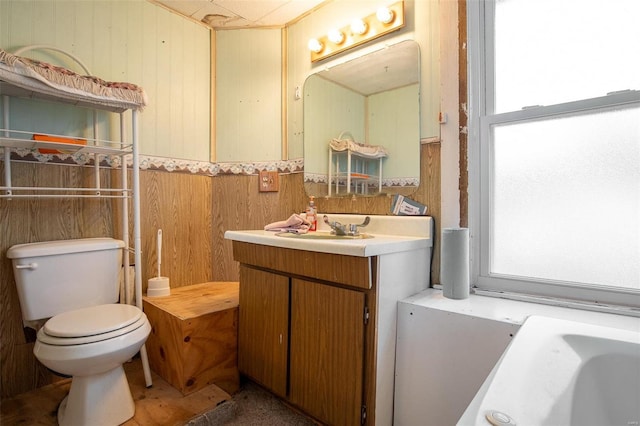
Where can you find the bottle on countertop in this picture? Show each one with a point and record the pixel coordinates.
(312, 214)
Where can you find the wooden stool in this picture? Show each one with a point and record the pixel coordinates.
(194, 336)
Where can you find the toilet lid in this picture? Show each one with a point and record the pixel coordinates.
(44, 338)
(92, 321)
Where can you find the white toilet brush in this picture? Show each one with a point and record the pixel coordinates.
(158, 286)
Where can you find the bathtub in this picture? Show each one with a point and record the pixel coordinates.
(562, 373)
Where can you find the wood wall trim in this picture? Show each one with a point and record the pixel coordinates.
(212, 122)
(285, 95)
(463, 113)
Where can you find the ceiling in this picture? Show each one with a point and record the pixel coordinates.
(386, 69)
(389, 68)
(241, 13)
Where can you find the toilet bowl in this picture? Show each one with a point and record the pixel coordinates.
(91, 344)
(91, 340)
(74, 285)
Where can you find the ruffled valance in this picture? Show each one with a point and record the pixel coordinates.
(48, 79)
(348, 144)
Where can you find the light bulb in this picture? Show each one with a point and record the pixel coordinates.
(336, 36)
(315, 46)
(358, 26)
(385, 15)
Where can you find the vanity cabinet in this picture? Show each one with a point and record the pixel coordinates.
(327, 351)
(305, 338)
(264, 335)
(317, 317)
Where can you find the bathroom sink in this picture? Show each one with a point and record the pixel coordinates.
(323, 236)
(383, 235)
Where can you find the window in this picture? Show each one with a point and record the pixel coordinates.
(554, 143)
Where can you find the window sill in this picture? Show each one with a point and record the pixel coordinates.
(517, 311)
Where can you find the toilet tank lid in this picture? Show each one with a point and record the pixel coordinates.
(50, 248)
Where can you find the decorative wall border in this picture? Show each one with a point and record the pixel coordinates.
(175, 165)
(148, 162)
(386, 183)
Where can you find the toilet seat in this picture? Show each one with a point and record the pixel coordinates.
(89, 325)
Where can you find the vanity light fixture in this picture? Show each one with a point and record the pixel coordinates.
(315, 45)
(384, 21)
(385, 15)
(359, 26)
(335, 36)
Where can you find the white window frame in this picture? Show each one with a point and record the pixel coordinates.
(480, 121)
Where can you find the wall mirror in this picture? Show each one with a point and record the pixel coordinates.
(362, 125)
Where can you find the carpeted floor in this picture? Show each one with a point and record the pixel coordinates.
(252, 406)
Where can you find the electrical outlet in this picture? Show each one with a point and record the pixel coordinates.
(268, 181)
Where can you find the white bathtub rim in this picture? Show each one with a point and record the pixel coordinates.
(501, 391)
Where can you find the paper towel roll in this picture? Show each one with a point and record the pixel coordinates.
(454, 263)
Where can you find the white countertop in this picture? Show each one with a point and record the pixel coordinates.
(378, 245)
(384, 229)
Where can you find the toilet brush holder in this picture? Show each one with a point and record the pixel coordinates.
(158, 286)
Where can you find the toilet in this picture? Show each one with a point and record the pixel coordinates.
(88, 335)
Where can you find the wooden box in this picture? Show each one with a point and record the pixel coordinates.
(194, 336)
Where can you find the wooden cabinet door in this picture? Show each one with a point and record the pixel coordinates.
(263, 326)
(327, 351)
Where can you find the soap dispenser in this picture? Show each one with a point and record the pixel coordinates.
(312, 214)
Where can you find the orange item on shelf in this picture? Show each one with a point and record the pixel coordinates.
(359, 176)
(56, 139)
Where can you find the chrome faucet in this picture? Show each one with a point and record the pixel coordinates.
(339, 229)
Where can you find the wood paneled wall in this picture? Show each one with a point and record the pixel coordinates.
(178, 203)
(23, 221)
(193, 212)
(238, 205)
(181, 205)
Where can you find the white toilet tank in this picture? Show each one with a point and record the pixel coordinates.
(58, 276)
